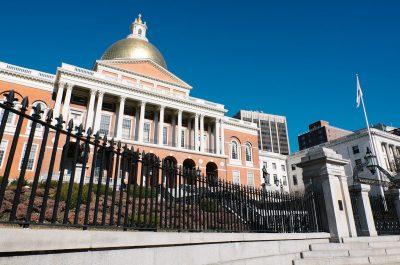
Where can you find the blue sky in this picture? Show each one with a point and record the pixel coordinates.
(293, 58)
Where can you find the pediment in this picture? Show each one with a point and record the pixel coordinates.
(146, 68)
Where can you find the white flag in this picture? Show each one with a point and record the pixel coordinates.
(359, 92)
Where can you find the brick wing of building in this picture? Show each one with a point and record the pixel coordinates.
(131, 96)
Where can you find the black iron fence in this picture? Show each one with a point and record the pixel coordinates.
(83, 180)
(385, 216)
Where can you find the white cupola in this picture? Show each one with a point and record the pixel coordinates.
(138, 29)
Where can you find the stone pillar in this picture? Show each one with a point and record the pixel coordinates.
(202, 133)
(209, 138)
(324, 169)
(57, 104)
(179, 142)
(99, 106)
(121, 109)
(196, 132)
(217, 140)
(173, 130)
(141, 121)
(90, 112)
(161, 126)
(137, 120)
(364, 210)
(222, 142)
(67, 101)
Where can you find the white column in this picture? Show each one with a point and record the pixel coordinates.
(90, 111)
(173, 130)
(179, 142)
(120, 117)
(97, 118)
(222, 142)
(155, 126)
(217, 140)
(141, 121)
(161, 126)
(57, 104)
(202, 133)
(67, 101)
(363, 207)
(189, 140)
(209, 137)
(196, 132)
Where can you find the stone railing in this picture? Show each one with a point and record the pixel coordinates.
(26, 71)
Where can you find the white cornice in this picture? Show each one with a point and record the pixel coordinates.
(87, 75)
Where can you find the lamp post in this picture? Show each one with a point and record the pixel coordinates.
(370, 161)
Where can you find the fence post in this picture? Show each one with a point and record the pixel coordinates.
(324, 169)
(364, 210)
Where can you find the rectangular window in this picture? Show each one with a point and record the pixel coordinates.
(284, 180)
(31, 158)
(293, 167)
(183, 138)
(250, 179)
(236, 177)
(126, 128)
(146, 132)
(295, 181)
(359, 164)
(3, 149)
(276, 181)
(105, 122)
(355, 149)
(76, 117)
(283, 167)
(10, 118)
(274, 166)
(165, 135)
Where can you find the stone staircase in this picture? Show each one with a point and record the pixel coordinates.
(361, 250)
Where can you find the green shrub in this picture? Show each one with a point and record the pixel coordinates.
(53, 184)
(14, 182)
(139, 220)
(74, 194)
(208, 205)
(143, 192)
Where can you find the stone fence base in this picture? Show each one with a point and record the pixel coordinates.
(69, 246)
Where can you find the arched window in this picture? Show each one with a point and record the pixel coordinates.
(235, 150)
(249, 153)
(140, 32)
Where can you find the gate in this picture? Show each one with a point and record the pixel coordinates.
(386, 219)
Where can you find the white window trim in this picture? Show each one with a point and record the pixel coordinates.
(148, 122)
(252, 177)
(166, 136)
(109, 126)
(233, 175)
(248, 145)
(13, 117)
(127, 117)
(5, 152)
(235, 161)
(34, 157)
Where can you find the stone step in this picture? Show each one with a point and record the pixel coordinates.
(367, 252)
(392, 251)
(332, 261)
(383, 244)
(325, 253)
(339, 246)
(372, 239)
(384, 259)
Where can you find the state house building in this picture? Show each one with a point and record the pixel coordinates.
(132, 96)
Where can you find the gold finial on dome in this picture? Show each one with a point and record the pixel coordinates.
(139, 19)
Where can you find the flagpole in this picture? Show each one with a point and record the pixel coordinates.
(371, 140)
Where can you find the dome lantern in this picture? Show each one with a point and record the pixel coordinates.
(138, 29)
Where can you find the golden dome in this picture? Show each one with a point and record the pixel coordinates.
(134, 48)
